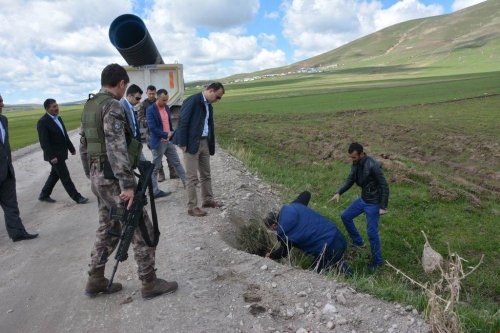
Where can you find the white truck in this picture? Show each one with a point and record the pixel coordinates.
(131, 38)
(163, 76)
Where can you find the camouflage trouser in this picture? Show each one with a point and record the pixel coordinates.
(105, 244)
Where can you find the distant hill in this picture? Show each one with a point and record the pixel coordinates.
(21, 107)
(33, 107)
(466, 41)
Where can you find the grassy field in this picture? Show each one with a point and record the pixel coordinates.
(438, 141)
(22, 124)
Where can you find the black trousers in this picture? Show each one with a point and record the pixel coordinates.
(59, 171)
(8, 201)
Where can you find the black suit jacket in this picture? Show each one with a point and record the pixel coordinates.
(5, 153)
(52, 140)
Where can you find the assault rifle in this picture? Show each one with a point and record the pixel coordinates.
(133, 218)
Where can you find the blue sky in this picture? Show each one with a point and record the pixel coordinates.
(57, 49)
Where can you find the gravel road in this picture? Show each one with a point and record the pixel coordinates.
(221, 289)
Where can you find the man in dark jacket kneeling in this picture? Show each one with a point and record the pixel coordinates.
(300, 226)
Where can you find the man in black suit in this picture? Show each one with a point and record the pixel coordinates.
(8, 197)
(55, 145)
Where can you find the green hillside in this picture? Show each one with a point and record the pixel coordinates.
(467, 41)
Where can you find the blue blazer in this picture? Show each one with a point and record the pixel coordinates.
(191, 122)
(156, 126)
(305, 228)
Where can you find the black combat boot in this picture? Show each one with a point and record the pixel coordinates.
(152, 286)
(97, 283)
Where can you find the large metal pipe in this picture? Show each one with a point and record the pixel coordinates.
(129, 35)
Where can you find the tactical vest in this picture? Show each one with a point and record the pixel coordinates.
(94, 132)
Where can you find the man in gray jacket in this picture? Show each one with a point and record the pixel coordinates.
(367, 174)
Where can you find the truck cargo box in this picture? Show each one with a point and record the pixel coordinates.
(163, 76)
(166, 76)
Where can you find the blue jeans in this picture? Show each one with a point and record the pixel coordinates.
(372, 213)
(168, 150)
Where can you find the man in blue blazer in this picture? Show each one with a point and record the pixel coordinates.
(55, 144)
(297, 225)
(195, 135)
(159, 122)
(8, 196)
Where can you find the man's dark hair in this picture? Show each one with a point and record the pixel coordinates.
(270, 219)
(355, 147)
(48, 102)
(134, 89)
(151, 87)
(161, 92)
(215, 86)
(112, 75)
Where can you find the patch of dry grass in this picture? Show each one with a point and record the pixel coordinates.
(443, 294)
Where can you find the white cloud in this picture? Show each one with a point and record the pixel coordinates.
(54, 48)
(213, 14)
(42, 24)
(461, 4)
(404, 10)
(262, 60)
(267, 40)
(316, 26)
(58, 48)
(228, 46)
(272, 15)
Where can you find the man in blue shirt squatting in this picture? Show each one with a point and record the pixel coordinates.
(367, 174)
(300, 226)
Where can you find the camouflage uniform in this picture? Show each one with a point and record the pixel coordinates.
(107, 191)
(143, 123)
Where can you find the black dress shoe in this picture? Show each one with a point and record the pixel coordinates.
(24, 236)
(82, 200)
(46, 199)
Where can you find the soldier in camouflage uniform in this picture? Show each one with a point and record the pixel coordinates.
(114, 192)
